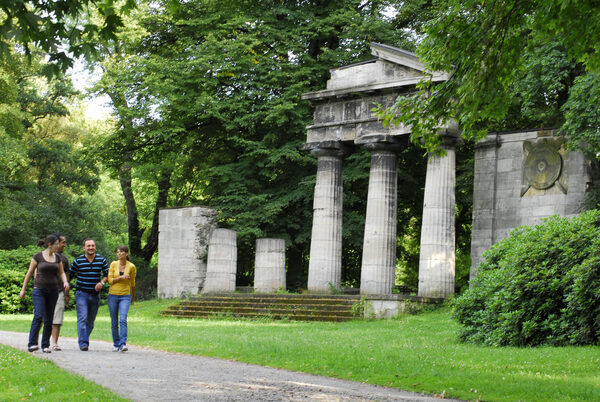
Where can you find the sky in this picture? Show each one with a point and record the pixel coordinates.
(97, 107)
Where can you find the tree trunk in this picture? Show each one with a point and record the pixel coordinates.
(164, 185)
(133, 225)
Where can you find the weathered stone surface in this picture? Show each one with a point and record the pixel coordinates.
(183, 239)
(379, 246)
(437, 259)
(221, 264)
(269, 265)
(325, 264)
(513, 189)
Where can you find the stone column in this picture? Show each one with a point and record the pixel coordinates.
(379, 246)
(221, 265)
(325, 264)
(437, 256)
(269, 265)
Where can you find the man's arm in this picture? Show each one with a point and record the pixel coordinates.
(104, 273)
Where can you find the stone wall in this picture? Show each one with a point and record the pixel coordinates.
(183, 239)
(521, 178)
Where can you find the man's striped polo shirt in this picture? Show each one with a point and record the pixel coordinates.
(88, 273)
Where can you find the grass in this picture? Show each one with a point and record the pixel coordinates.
(24, 377)
(416, 353)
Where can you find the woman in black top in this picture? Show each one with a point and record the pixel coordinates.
(46, 285)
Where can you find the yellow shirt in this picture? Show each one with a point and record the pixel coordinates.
(122, 287)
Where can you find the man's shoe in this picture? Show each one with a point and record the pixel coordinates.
(124, 348)
(46, 350)
(33, 348)
(84, 348)
(116, 349)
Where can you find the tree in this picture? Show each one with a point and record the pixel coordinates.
(47, 175)
(211, 90)
(512, 65)
(63, 29)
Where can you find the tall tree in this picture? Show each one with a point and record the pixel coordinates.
(512, 65)
(212, 90)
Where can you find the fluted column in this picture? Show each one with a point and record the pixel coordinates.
(379, 246)
(325, 264)
(437, 256)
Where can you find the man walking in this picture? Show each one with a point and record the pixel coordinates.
(91, 271)
(63, 297)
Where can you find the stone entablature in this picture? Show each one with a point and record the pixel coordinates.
(344, 111)
(521, 178)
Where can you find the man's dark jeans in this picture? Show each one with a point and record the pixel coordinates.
(87, 307)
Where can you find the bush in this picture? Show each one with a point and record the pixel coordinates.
(11, 282)
(539, 286)
(13, 267)
(17, 259)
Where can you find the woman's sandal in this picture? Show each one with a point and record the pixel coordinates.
(56, 347)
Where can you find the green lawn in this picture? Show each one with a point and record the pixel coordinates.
(418, 353)
(24, 377)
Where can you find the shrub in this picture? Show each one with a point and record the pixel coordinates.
(17, 259)
(540, 285)
(13, 267)
(11, 281)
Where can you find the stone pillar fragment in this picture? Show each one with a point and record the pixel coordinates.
(269, 265)
(437, 256)
(379, 246)
(325, 264)
(184, 234)
(221, 263)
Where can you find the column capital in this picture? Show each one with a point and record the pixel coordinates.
(389, 144)
(449, 138)
(328, 148)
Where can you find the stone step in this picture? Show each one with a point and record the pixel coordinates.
(286, 306)
(285, 298)
(259, 310)
(241, 304)
(274, 301)
(295, 317)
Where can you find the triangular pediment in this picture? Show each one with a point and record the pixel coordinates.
(393, 68)
(397, 56)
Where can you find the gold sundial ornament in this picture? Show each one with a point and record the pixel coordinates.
(542, 165)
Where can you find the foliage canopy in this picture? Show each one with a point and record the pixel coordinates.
(512, 65)
(63, 29)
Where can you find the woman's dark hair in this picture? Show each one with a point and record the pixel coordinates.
(125, 249)
(50, 239)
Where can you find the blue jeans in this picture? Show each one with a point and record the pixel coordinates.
(44, 301)
(119, 307)
(87, 307)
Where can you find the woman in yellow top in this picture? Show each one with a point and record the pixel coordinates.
(121, 276)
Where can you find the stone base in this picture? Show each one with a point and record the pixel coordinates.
(390, 306)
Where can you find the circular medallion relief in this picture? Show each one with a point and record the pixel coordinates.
(542, 165)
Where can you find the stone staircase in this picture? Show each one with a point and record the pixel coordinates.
(299, 307)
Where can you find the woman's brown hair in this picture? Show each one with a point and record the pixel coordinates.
(125, 249)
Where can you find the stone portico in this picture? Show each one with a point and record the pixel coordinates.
(344, 120)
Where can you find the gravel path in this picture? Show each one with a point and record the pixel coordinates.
(165, 376)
